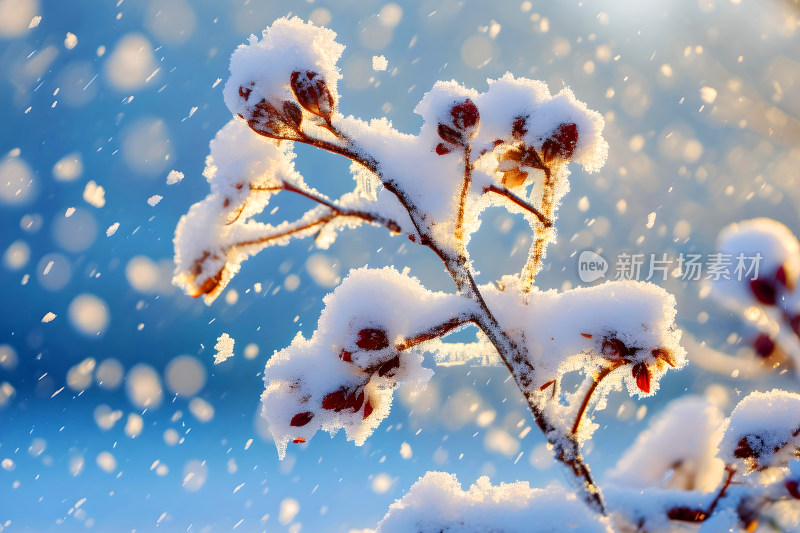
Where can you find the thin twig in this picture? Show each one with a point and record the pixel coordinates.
(534, 263)
(586, 399)
(435, 332)
(462, 199)
(730, 471)
(503, 191)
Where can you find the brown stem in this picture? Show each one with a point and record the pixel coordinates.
(730, 471)
(261, 240)
(503, 191)
(534, 263)
(435, 332)
(586, 399)
(462, 199)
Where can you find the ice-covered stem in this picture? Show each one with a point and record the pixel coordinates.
(566, 447)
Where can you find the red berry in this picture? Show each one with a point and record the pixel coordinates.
(335, 401)
(685, 514)
(744, 448)
(518, 129)
(613, 348)
(299, 440)
(795, 323)
(794, 489)
(244, 92)
(301, 419)
(780, 275)
(465, 115)
(561, 143)
(641, 374)
(764, 291)
(372, 339)
(764, 345)
(346, 356)
(367, 410)
(312, 93)
(442, 149)
(450, 135)
(355, 401)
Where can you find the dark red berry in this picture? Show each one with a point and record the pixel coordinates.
(293, 114)
(346, 356)
(641, 374)
(764, 345)
(312, 93)
(748, 447)
(795, 323)
(367, 409)
(442, 149)
(449, 134)
(794, 489)
(518, 129)
(465, 115)
(244, 92)
(561, 143)
(764, 291)
(372, 339)
(355, 401)
(686, 514)
(301, 419)
(335, 401)
(613, 348)
(780, 275)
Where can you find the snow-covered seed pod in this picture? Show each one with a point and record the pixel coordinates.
(466, 117)
(372, 339)
(312, 93)
(561, 143)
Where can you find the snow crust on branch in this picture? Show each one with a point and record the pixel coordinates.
(770, 302)
(762, 431)
(244, 171)
(343, 377)
(437, 503)
(623, 331)
(686, 446)
(269, 62)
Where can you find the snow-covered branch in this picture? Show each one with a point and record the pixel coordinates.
(762, 287)
(509, 146)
